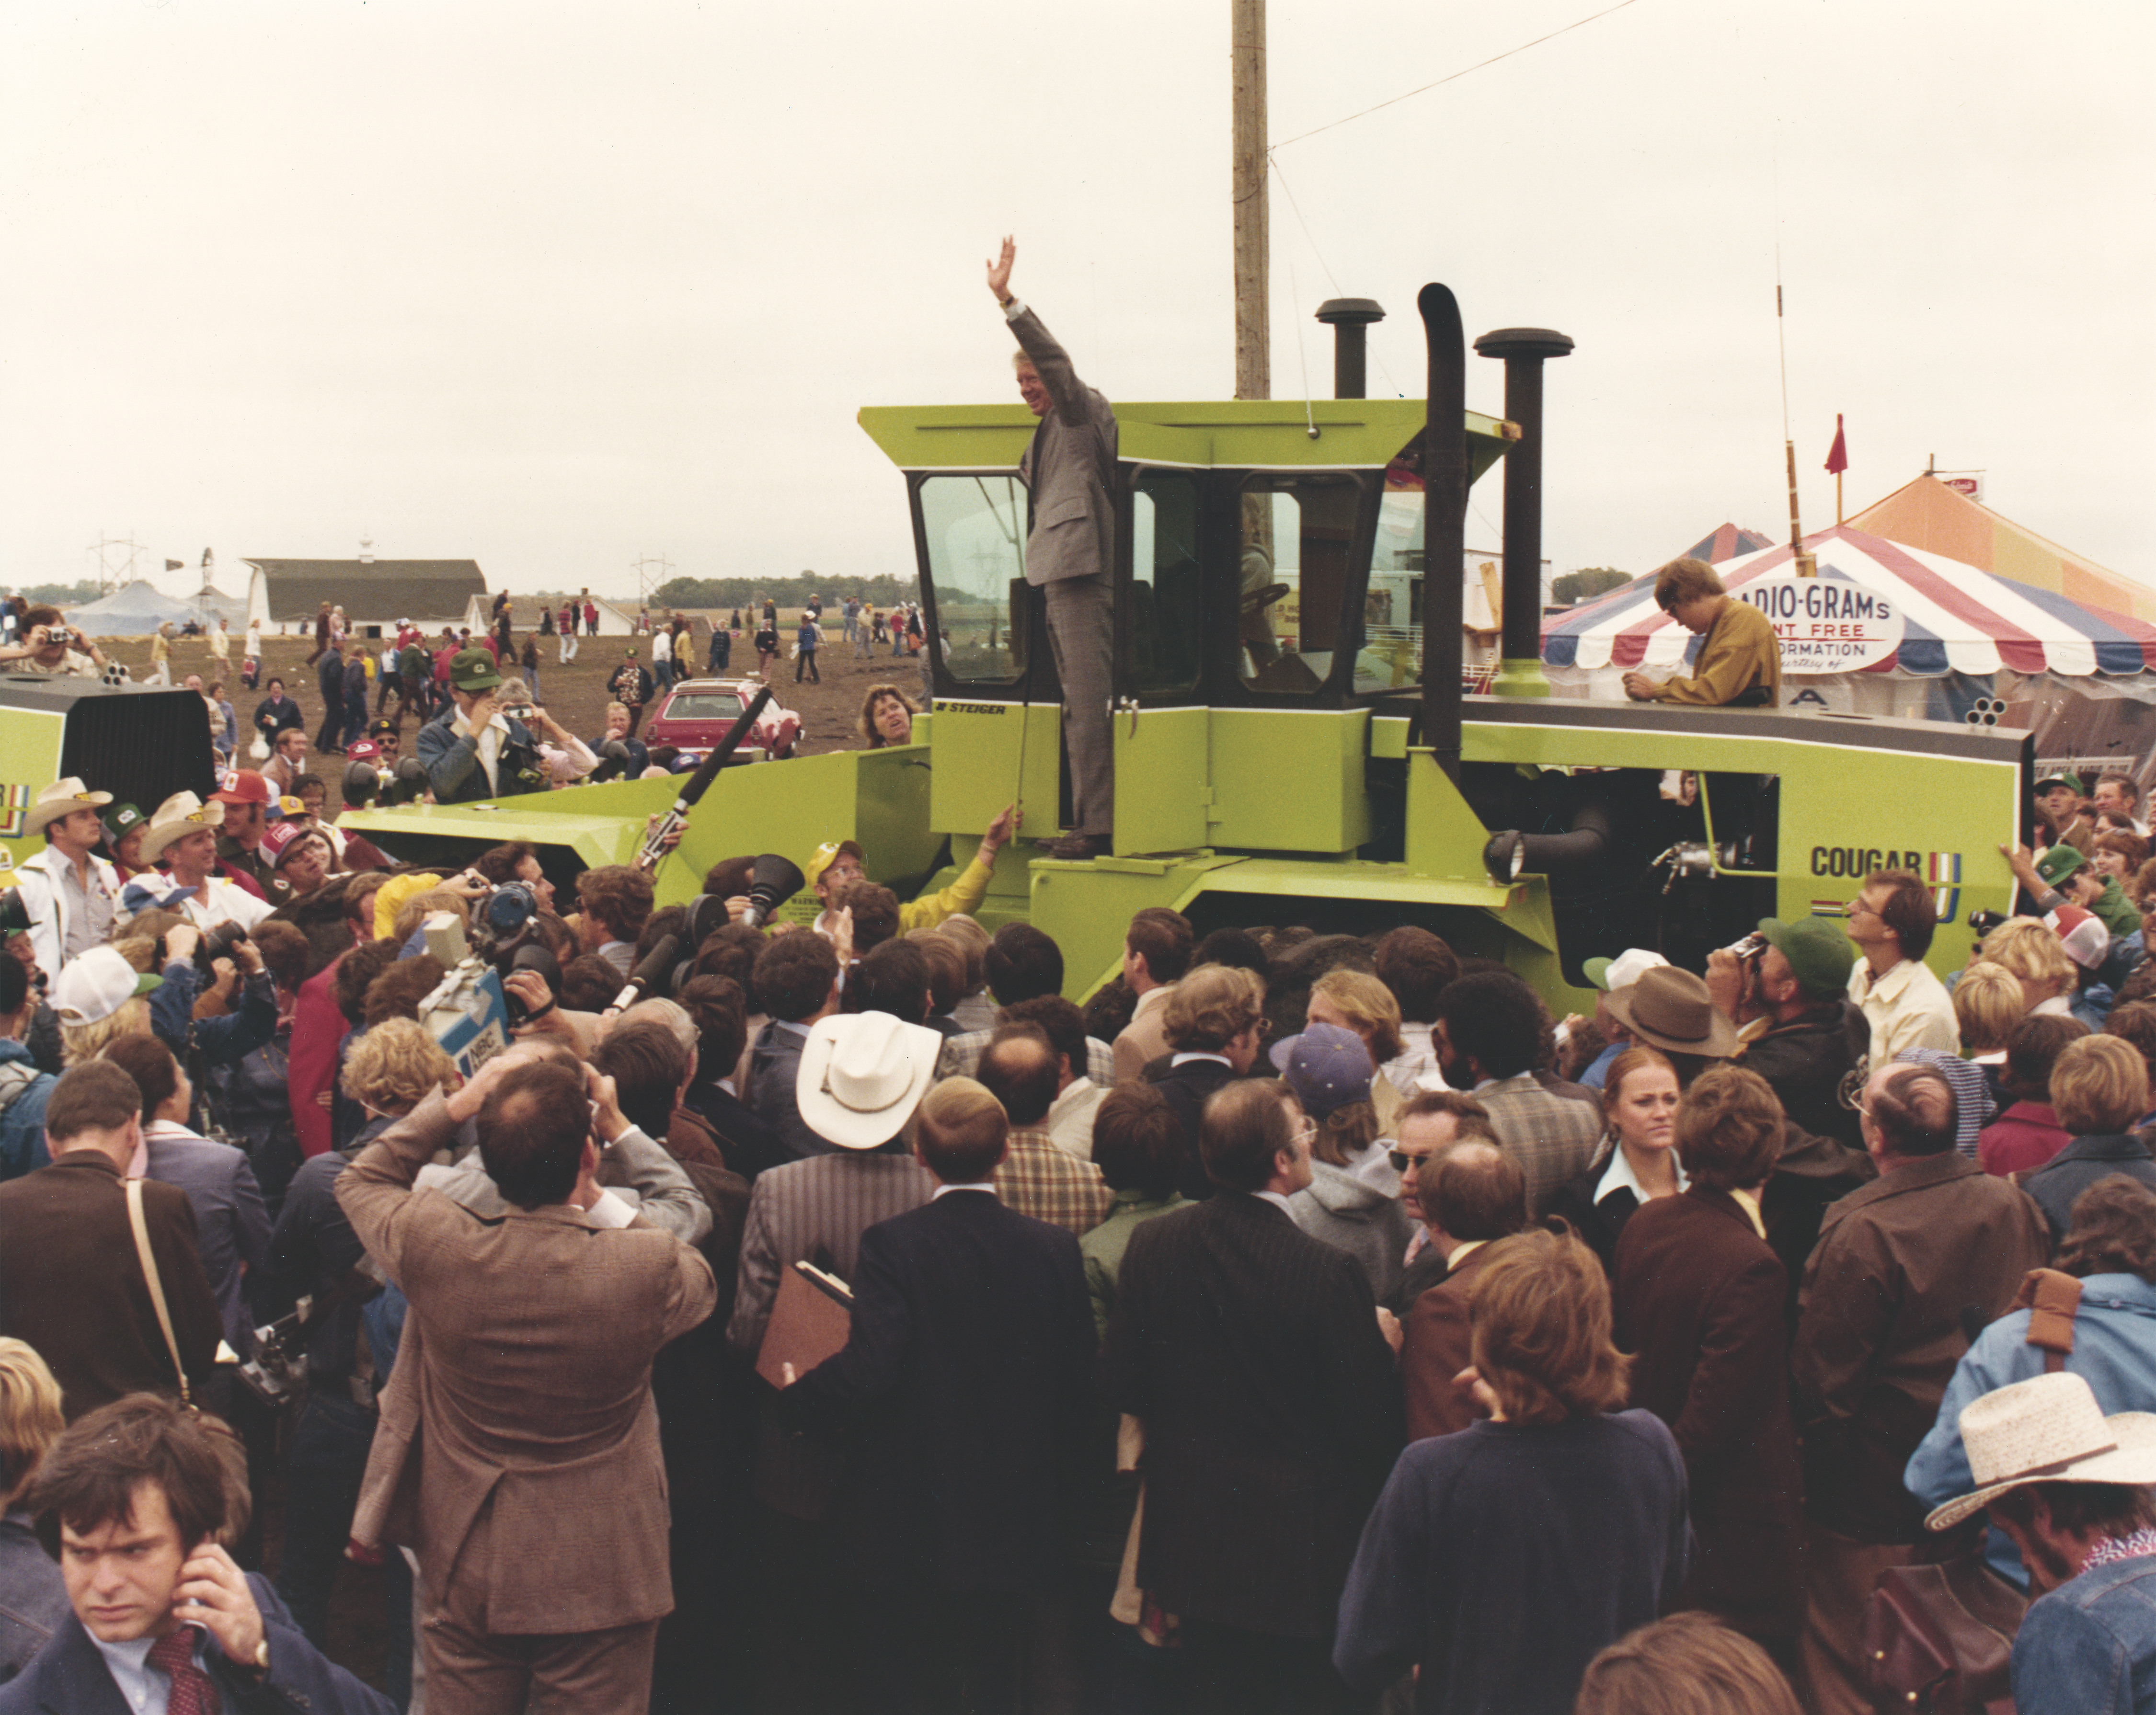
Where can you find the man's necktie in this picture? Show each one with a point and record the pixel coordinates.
(193, 1691)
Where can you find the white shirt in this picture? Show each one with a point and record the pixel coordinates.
(1908, 1008)
(1414, 1067)
(662, 645)
(970, 1185)
(491, 738)
(1619, 1176)
(1070, 1123)
(219, 900)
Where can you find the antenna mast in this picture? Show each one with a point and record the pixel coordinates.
(1807, 566)
(1253, 373)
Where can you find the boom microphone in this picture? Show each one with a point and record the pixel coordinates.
(699, 783)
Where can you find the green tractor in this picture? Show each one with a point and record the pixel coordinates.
(1293, 744)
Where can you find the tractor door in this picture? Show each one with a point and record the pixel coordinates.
(1160, 718)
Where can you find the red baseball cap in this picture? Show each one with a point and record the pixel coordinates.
(278, 843)
(242, 786)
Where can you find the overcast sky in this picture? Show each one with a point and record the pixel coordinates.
(555, 286)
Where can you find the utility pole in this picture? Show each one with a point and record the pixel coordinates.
(1253, 370)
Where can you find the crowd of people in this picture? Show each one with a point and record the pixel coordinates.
(1307, 1322)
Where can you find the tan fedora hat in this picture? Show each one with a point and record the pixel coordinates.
(1670, 1008)
(2048, 1429)
(178, 816)
(862, 1075)
(62, 798)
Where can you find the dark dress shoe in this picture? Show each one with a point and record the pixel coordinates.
(1079, 848)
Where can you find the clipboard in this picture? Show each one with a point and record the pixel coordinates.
(810, 1320)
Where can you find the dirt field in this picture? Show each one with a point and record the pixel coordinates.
(575, 695)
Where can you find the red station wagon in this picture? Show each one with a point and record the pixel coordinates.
(695, 715)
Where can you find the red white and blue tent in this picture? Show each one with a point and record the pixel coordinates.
(1727, 542)
(1955, 618)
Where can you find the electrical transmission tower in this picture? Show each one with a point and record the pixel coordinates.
(111, 577)
(652, 572)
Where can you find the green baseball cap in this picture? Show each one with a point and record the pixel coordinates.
(2058, 863)
(1819, 954)
(473, 670)
(121, 820)
(2060, 779)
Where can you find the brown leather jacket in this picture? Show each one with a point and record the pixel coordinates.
(1907, 1270)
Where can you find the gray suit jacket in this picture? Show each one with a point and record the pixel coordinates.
(814, 1210)
(1069, 467)
(232, 1224)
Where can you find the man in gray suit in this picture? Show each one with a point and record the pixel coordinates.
(1070, 470)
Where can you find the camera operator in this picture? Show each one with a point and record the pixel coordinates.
(221, 1037)
(52, 647)
(1800, 1031)
(475, 750)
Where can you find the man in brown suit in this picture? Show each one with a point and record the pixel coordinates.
(1904, 1269)
(518, 1450)
(1471, 1192)
(70, 1282)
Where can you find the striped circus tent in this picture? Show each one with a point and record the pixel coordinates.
(1727, 542)
(1955, 618)
(1926, 513)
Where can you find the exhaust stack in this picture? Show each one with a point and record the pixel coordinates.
(1347, 318)
(1444, 470)
(1524, 350)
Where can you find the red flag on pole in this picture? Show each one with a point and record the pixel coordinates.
(1837, 455)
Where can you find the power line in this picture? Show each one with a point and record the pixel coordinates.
(1454, 77)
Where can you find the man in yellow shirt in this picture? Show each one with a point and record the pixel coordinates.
(1740, 660)
(836, 863)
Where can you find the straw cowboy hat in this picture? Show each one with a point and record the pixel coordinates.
(63, 797)
(1669, 1009)
(2048, 1429)
(178, 816)
(862, 1075)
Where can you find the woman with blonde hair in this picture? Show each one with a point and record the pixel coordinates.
(1576, 1506)
(1358, 1002)
(2031, 950)
(33, 1599)
(99, 998)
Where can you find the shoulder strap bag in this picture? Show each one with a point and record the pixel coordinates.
(1940, 1637)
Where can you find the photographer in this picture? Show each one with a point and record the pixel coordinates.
(221, 1038)
(566, 757)
(475, 750)
(1800, 1031)
(52, 647)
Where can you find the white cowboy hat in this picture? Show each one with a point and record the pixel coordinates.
(177, 817)
(862, 1075)
(2048, 1429)
(61, 799)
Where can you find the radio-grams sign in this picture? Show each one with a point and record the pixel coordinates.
(1826, 625)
